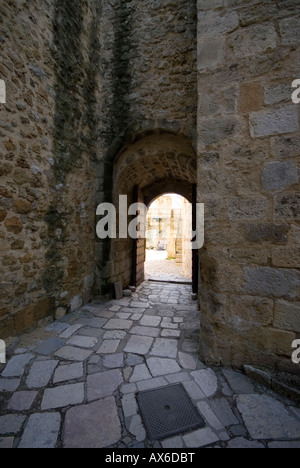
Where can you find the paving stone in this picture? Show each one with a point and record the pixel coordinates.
(92, 332)
(238, 431)
(134, 360)
(68, 372)
(128, 388)
(178, 319)
(40, 373)
(9, 385)
(159, 366)
(190, 347)
(266, 418)
(150, 321)
(103, 384)
(123, 315)
(171, 334)
(20, 351)
(57, 327)
(118, 324)
(138, 345)
(209, 416)
(70, 331)
(136, 317)
(165, 348)
(22, 401)
(6, 442)
(115, 335)
(284, 445)
(177, 378)
(109, 347)
(64, 395)
(113, 361)
(103, 314)
(94, 359)
(140, 373)
(296, 411)
(187, 361)
(207, 381)
(173, 443)
(238, 382)
(169, 326)
(11, 423)
(137, 429)
(193, 390)
(115, 308)
(41, 431)
(16, 365)
(224, 412)
(153, 383)
(200, 438)
(71, 353)
(139, 305)
(97, 322)
(129, 405)
(241, 442)
(82, 341)
(127, 373)
(145, 331)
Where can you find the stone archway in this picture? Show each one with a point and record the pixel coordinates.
(150, 166)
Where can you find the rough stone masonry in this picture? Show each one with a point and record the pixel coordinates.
(165, 95)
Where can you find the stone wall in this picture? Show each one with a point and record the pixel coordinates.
(47, 178)
(248, 178)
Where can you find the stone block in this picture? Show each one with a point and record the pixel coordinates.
(187, 361)
(286, 257)
(241, 442)
(265, 281)
(290, 31)
(96, 425)
(223, 412)
(210, 53)
(212, 131)
(254, 40)
(159, 366)
(71, 353)
(109, 347)
(15, 367)
(41, 431)
(62, 396)
(137, 429)
(140, 373)
(250, 208)
(145, 331)
(83, 341)
(213, 24)
(138, 345)
(9, 385)
(279, 175)
(207, 381)
(194, 390)
(129, 405)
(151, 384)
(287, 206)
(251, 97)
(276, 94)
(210, 417)
(274, 122)
(165, 348)
(150, 321)
(21, 401)
(113, 361)
(266, 232)
(68, 372)
(267, 418)
(200, 438)
(118, 324)
(287, 316)
(285, 147)
(40, 373)
(50, 346)
(11, 423)
(70, 331)
(103, 384)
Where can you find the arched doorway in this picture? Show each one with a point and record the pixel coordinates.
(168, 240)
(151, 166)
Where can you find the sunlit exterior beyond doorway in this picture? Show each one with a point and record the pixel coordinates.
(168, 239)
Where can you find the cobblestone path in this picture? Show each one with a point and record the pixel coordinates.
(73, 383)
